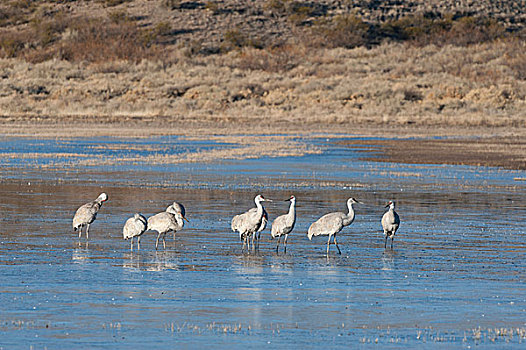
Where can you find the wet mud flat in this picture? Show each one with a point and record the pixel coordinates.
(495, 151)
(456, 275)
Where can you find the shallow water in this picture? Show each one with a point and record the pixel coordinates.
(455, 277)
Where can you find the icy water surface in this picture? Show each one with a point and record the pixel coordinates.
(455, 278)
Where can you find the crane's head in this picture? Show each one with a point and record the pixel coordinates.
(291, 199)
(259, 198)
(391, 205)
(178, 209)
(353, 200)
(103, 197)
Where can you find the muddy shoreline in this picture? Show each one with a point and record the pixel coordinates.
(505, 152)
(477, 146)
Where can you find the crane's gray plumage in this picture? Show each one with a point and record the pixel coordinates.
(284, 224)
(262, 226)
(164, 222)
(332, 223)
(390, 223)
(250, 222)
(135, 227)
(87, 213)
(178, 208)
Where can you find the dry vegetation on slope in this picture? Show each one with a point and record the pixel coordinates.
(318, 63)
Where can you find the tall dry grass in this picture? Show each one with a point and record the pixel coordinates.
(391, 83)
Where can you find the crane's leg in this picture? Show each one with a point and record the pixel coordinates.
(139, 243)
(339, 251)
(285, 250)
(80, 231)
(157, 240)
(385, 242)
(392, 239)
(131, 245)
(277, 247)
(87, 233)
(164, 242)
(328, 245)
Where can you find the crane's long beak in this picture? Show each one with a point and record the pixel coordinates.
(185, 218)
(268, 200)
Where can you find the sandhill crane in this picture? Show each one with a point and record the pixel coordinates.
(250, 222)
(264, 221)
(134, 227)
(390, 223)
(87, 213)
(163, 222)
(284, 224)
(179, 208)
(332, 223)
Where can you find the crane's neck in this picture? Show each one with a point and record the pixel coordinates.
(391, 207)
(259, 206)
(292, 209)
(350, 216)
(178, 217)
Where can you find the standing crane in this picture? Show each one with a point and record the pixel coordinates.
(248, 223)
(87, 213)
(164, 222)
(390, 223)
(135, 227)
(264, 221)
(284, 224)
(332, 223)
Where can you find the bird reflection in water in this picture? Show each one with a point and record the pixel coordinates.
(388, 260)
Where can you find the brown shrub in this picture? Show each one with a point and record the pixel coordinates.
(93, 40)
(515, 58)
(236, 38)
(347, 31)
(11, 14)
(172, 4)
(12, 43)
(421, 30)
(96, 43)
(47, 31)
(111, 3)
(470, 30)
(277, 59)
